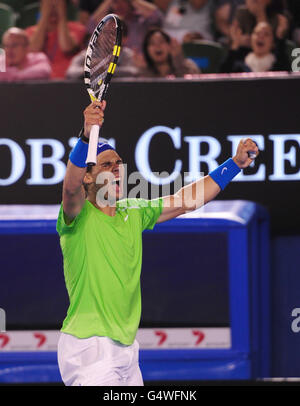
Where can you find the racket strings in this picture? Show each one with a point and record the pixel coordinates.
(102, 55)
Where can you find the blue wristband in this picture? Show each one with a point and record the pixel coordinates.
(79, 153)
(224, 173)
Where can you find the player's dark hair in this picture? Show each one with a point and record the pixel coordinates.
(150, 63)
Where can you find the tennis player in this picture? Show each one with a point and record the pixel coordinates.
(101, 241)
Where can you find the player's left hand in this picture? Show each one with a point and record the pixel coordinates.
(245, 148)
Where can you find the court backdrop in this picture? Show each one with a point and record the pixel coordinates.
(167, 130)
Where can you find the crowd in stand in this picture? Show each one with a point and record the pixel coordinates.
(256, 35)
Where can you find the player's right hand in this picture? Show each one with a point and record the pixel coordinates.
(93, 115)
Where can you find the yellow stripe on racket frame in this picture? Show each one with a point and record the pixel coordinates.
(116, 51)
(112, 68)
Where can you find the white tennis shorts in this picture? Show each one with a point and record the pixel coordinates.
(98, 361)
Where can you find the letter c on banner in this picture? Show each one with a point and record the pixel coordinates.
(142, 154)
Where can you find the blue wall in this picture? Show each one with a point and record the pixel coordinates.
(285, 291)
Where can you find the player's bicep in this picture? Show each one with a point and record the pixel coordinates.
(73, 203)
(73, 191)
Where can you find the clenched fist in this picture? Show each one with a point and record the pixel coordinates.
(93, 115)
(246, 152)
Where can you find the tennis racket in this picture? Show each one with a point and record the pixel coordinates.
(99, 66)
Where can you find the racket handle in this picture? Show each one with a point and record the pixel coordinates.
(251, 154)
(93, 143)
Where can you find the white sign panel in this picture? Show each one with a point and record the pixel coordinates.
(148, 338)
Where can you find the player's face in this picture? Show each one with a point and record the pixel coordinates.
(109, 173)
(158, 48)
(262, 39)
(15, 50)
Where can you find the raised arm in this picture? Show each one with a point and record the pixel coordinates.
(102, 10)
(144, 8)
(67, 43)
(197, 194)
(38, 37)
(73, 189)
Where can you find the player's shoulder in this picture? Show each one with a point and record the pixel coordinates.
(64, 226)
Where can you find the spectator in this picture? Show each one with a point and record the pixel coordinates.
(138, 15)
(57, 37)
(294, 10)
(20, 63)
(186, 20)
(162, 5)
(263, 56)
(256, 11)
(126, 66)
(224, 12)
(163, 57)
(86, 9)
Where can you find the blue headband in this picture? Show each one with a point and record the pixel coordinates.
(103, 146)
(79, 152)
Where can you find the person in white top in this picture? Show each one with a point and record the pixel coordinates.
(188, 19)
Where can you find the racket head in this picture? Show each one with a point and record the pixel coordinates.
(102, 55)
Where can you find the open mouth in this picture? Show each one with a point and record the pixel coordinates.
(260, 44)
(116, 182)
(158, 54)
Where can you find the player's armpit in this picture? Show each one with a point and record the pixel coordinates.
(72, 204)
(71, 209)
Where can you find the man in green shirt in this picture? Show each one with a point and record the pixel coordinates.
(101, 240)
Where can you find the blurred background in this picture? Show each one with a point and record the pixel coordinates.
(220, 286)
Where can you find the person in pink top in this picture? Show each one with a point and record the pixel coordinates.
(20, 64)
(59, 38)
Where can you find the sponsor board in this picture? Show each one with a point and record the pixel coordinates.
(148, 338)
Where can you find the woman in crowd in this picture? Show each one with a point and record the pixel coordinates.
(262, 57)
(163, 57)
(256, 11)
(138, 15)
(126, 65)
